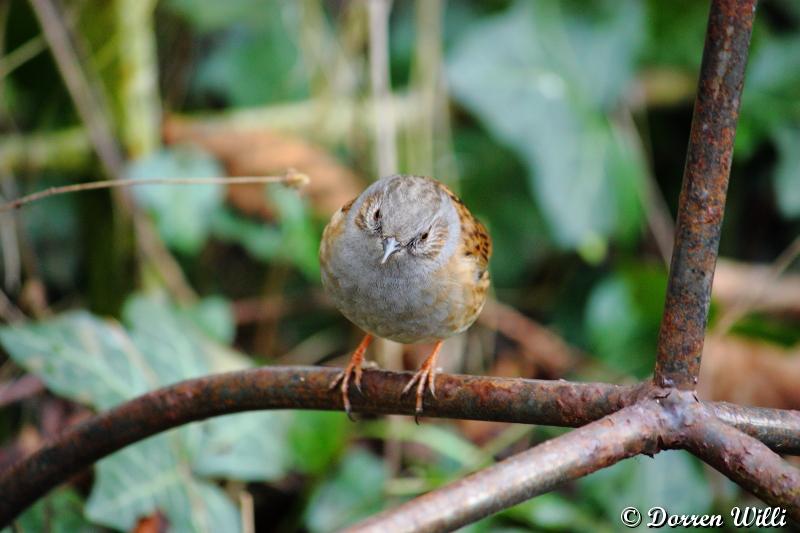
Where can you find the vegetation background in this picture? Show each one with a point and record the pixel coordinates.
(562, 124)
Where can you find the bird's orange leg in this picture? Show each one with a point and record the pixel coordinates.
(354, 368)
(425, 375)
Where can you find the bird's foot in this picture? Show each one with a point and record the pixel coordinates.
(426, 375)
(353, 369)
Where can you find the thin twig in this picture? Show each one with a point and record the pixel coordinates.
(89, 102)
(17, 57)
(8, 311)
(293, 179)
(655, 206)
(83, 94)
(20, 389)
(9, 243)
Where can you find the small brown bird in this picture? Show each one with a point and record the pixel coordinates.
(405, 261)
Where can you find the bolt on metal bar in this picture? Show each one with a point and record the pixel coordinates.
(702, 198)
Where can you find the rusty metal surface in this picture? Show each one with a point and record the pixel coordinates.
(779, 429)
(631, 431)
(743, 459)
(513, 400)
(557, 403)
(702, 199)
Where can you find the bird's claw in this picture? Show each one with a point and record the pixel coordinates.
(422, 377)
(343, 377)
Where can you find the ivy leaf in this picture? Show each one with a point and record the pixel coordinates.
(81, 357)
(545, 87)
(353, 492)
(151, 476)
(294, 240)
(101, 363)
(787, 171)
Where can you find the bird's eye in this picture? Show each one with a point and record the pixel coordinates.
(423, 236)
(377, 214)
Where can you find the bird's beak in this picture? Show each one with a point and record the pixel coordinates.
(390, 246)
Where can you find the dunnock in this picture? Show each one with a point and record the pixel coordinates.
(405, 261)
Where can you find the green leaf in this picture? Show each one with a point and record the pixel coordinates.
(209, 15)
(81, 357)
(671, 479)
(174, 347)
(256, 57)
(246, 446)
(494, 185)
(54, 231)
(300, 236)
(316, 439)
(554, 512)
(355, 491)
(295, 240)
(444, 441)
(622, 318)
(260, 240)
(675, 35)
(101, 364)
(180, 211)
(214, 316)
(771, 97)
(787, 171)
(58, 512)
(544, 88)
(152, 476)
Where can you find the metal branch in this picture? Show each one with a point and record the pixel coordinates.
(779, 429)
(631, 431)
(513, 400)
(702, 199)
(745, 460)
(557, 403)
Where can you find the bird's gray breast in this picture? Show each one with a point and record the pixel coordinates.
(400, 300)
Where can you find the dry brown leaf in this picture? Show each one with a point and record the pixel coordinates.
(750, 372)
(257, 152)
(155, 523)
(736, 283)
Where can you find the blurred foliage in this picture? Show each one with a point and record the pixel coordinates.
(555, 122)
(544, 87)
(181, 213)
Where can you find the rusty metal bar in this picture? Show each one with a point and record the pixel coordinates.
(511, 400)
(779, 429)
(702, 199)
(631, 431)
(557, 403)
(743, 459)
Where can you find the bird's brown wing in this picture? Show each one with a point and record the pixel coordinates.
(476, 242)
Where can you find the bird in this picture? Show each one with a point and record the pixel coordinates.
(406, 261)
